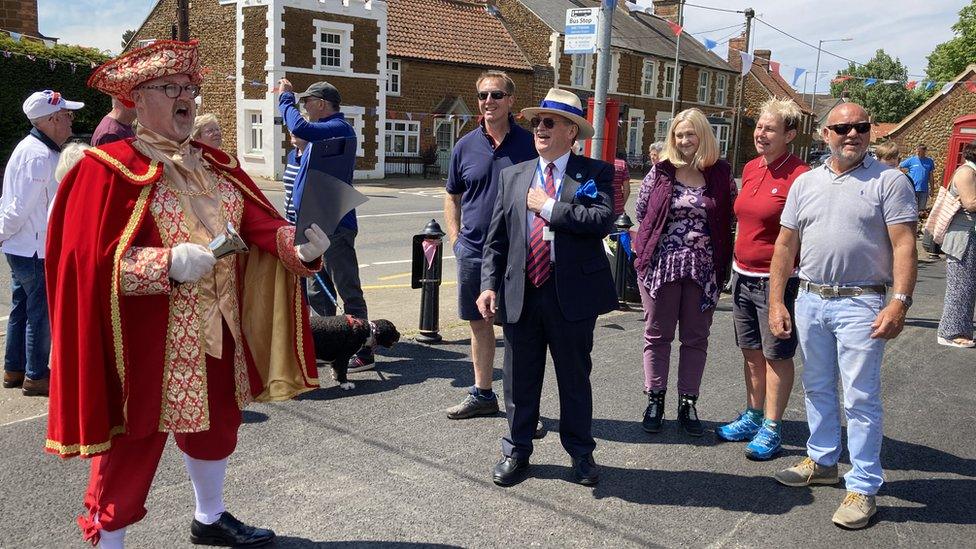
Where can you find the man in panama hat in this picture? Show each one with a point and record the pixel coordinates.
(546, 278)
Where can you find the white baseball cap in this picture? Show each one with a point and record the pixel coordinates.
(47, 102)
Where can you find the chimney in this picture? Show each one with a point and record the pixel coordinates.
(736, 45)
(762, 58)
(668, 9)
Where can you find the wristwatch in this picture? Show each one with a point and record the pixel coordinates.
(904, 298)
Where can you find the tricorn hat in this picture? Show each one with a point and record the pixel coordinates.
(123, 74)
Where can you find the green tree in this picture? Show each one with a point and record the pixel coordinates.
(127, 37)
(948, 59)
(887, 102)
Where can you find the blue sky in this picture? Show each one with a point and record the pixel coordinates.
(907, 29)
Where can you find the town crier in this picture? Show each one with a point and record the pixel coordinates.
(151, 332)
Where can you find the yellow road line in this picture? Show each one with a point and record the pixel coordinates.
(391, 277)
(396, 286)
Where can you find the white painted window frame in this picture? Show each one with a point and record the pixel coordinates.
(255, 133)
(674, 81)
(413, 129)
(649, 65)
(390, 72)
(586, 60)
(344, 30)
(704, 79)
(721, 85)
(661, 134)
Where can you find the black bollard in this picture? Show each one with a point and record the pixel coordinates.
(427, 277)
(622, 264)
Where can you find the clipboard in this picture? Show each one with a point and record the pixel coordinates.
(327, 194)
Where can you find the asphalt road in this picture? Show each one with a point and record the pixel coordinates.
(381, 466)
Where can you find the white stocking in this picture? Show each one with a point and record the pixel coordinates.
(207, 477)
(114, 539)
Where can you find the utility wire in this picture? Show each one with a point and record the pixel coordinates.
(808, 43)
(738, 25)
(713, 9)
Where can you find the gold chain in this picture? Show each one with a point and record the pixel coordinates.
(203, 192)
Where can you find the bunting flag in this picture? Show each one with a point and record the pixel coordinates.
(52, 64)
(675, 28)
(73, 68)
(747, 59)
(15, 36)
(430, 250)
(710, 44)
(48, 43)
(971, 86)
(929, 85)
(910, 85)
(774, 67)
(409, 116)
(947, 88)
(870, 82)
(612, 4)
(840, 79)
(797, 73)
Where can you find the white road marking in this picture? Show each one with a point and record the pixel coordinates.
(397, 262)
(21, 420)
(394, 214)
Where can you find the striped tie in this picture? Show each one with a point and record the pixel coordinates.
(538, 265)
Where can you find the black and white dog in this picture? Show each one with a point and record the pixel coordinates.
(338, 338)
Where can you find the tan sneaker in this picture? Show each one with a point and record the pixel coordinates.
(855, 511)
(807, 472)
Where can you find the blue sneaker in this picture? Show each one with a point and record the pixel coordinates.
(765, 445)
(741, 429)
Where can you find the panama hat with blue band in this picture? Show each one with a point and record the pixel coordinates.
(565, 104)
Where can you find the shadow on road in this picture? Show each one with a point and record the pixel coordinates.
(941, 501)
(288, 541)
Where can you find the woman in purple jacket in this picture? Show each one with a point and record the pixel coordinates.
(684, 252)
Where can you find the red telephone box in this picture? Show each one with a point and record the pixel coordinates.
(963, 133)
(610, 126)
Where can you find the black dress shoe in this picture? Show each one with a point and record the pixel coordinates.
(509, 471)
(585, 470)
(229, 532)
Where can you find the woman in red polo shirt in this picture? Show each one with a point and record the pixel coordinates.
(768, 368)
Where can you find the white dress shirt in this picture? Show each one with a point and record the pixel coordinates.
(28, 191)
(558, 171)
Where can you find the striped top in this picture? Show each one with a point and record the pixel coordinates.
(291, 170)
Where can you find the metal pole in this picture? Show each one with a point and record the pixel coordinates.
(183, 20)
(677, 72)
(816, 79)
(603, 58)
(750, 13)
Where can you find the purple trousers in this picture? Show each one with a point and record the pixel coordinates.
(678, 304)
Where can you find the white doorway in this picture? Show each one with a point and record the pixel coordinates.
(444, 135)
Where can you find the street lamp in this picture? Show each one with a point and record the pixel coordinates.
(816, 74)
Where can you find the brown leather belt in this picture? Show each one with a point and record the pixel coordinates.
(827, 291)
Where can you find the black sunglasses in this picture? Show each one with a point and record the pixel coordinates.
(549, 123)
(495, 94)
(844, 129)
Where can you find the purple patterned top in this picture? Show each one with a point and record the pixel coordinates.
(685, 247)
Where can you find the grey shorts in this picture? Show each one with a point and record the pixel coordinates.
(923, 199)
(468, 281)
(750, 316)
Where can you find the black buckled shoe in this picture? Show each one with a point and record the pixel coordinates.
(585, 470)
(510, 471)
(654, 413)
(229, 532)
(688, 416)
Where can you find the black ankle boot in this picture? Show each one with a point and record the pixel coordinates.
(688, 415)
(654, 413)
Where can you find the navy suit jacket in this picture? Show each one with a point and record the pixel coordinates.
(584, 286)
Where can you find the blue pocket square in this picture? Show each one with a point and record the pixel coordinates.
(587, 190)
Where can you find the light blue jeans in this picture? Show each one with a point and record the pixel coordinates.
(835, 337)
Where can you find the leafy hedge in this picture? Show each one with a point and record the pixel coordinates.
(23, 76)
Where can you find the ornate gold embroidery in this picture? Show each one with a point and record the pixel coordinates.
(145, 271)
(285, 240)
(84, 450)
(232, 165)
(130, 228)
(300, 347)
(244, 188)
(151, 172)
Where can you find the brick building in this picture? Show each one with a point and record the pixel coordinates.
(762, 83)
(931, 124)
(19, 16)
(430, 86)
(247, 45)
(643, 76)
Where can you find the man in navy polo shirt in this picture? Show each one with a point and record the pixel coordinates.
(477, 159)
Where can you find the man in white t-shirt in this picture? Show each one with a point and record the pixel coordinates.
(28, 190)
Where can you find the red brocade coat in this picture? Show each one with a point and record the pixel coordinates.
(115, 314)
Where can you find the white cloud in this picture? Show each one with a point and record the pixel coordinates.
(92, 23)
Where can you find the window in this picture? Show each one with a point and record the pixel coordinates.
(255, 136)
(649, 78)
(580, 70)
(721, 82)
(635, 133)
(703, 77)
(661, 121)
(402, 138)
(669, 79)
(722, 135)
(393, 76)
(354, 115)
(333, 46)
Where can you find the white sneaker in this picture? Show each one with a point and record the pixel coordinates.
(959, 342)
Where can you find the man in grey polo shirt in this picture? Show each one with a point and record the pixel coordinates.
(853, 222)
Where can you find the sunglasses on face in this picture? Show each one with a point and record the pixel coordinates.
(844, 129)
(173, 91)
(494, 94)
(548, 123)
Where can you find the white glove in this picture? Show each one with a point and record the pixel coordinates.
(190, 262)
(317, 244)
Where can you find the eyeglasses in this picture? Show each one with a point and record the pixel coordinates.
(549, 123)
(844, 129)
(173, 91)
(494, 94)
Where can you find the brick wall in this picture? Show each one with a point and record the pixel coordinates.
(300, 39)
(528, 31)
(933, 127)
(255, 42)
(19, 16)
(753, 98)
(424, 85)
(214, 25)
